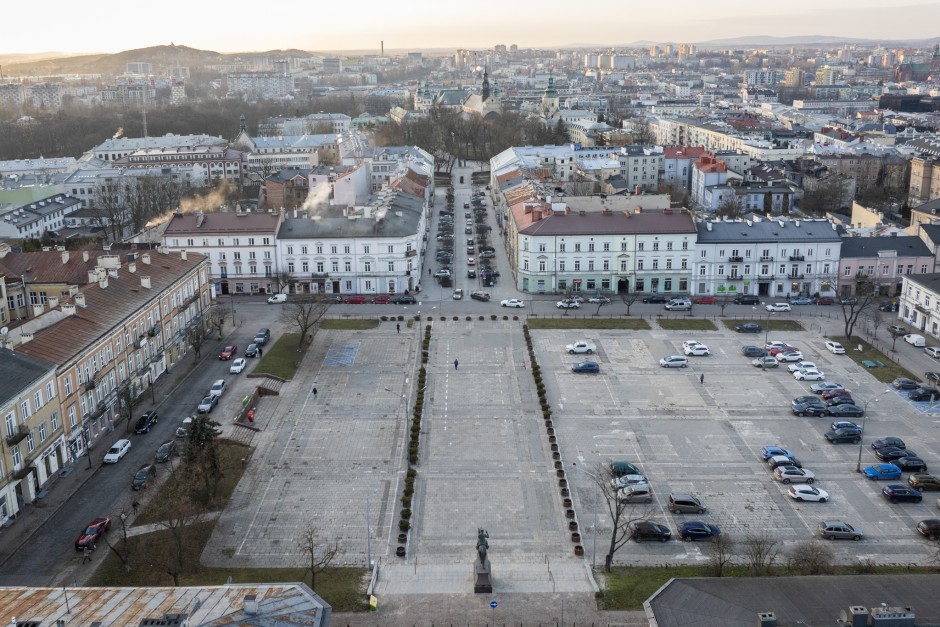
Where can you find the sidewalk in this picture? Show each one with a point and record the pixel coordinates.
(59, 490)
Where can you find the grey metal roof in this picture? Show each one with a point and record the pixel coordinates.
(930, 281)
(19, 372)
(808, 231)
(817, 601)
(399, 218)
(908, 246)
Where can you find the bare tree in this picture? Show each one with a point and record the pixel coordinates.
(601, 302)
(318, 555)
(730, 206)
(720, 553)
(203, 463)
(876, 319)
(723, 301)
(196, 336)
(853, 307)
(180, 551)
(629, 298)
(761, 551)
(622, 513)
(128, 401)
(809, 557)
(217, 315)
(121, 547)
(304, 315)
(110, 209)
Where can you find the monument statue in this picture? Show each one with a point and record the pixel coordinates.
(483, 582)
(482, 544)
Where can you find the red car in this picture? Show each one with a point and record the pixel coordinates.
(228, 352)
(705, 300)
(92, 532)
(830, 394)
(782, 349)
(355, 300)
(824, 301)
(382, 299)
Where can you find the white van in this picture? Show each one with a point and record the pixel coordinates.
(277, 298)
(916, 340)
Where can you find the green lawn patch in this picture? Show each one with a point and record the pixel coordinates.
(282, 358)
(774, 324)
(886, 374)
(631, 324)
(348, 324)
(686, 324)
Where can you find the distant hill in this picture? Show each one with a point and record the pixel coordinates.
(770, 40)
(159, 56)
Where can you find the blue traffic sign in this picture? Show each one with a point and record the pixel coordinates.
(493, 604)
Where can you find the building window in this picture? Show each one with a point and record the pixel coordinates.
(54, 421)
(639, 245)
(561, 265)
(668, 245)
(704, 253)
(607, 264)
(391, 266)
(923, 269)
(10, 425)
(42, 431)
(639, 264)
(623, 266)
(655, 245)
(606, 247)
(561, 248)
(541, 248)
(577, 265)
(655, 264)
(721, 271)
(68, 385)
(668, 264)
(848, 271)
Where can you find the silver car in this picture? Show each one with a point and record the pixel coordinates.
(792, 474)
(766, 362)
(674, 361)
(838, 530)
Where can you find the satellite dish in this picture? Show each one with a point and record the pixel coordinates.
(4, 330)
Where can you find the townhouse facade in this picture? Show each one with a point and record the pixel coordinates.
(772, 258)
(239, 246)
(112, 334)
(919, 303)
(33, 446)
(210, 163)
(640, 166)
(377, 248)
(883, 262)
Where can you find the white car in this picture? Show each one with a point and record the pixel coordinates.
(915, 340)
(619, 483)
(458, 294)
(512, 302)
(778, 307)
(237, 366)
(116, 452)
(775, 344)
(792, 474)
(674, 361)
(581, 347)
(277, 298)
(835, 348)
(217, 388)
(696, 349)
(568, 304)
(805, 492)
(933, 351)
(809, 374)
(598, 299)
(790, 356)
(801, 365)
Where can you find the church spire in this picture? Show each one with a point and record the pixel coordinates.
(486, 84)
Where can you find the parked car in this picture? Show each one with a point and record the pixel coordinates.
(765, 362)
(117, 451)
(810, 408)
(484, 296)
(888, 442)
(915, 340)
(838, 530)
(898, 492)
(598, 298)
(636, 493)
(897, 329)
(674, 361)
(802, 365)
(783, 460)
(619, 483)
(753, 351)
(567, 304)
(777, 344)
(774, 307)
(622, 468)
(647, 530)
(903, 383)
(749, 327)
(237, 365)
(165, 451)
(929, 528)
(746, 299)
(143, 476)
(804, 492)
(582, 346)
(845, 411)
(910, 463)
(835, 348)
(207, 404)
(825, 300)
(685, 504)
(218, 388)
(838, 436)
(924, 394)
(801, 300)
(792, 474)
(848, 301)
(146, 422)
(770, 451)
(512, 302)
(698, 350)
(355, 299)
(228, 352)
(933, 351)
(252, 350)
(923, 482)
(406, 299)
(808, 374)
(822, 386)
(183, 430)
(92, 532)
(679, 304)
(705, 300)
(458, 294)
(831, 394)
(845, 424)
(878, 472)
(933, 377)
(277, 298)
(698, 530)
(788, 355)
(589, 367)
(891, 453)
(655, 298)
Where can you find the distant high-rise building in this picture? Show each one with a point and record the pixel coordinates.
(12, 95)
(139, 67)
(332, 65)
(825, 76)
(177, 92)
(282, 67)
(45, 95)
(178, 72)
(794, 77)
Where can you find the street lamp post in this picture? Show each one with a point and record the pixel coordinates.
(858, 465)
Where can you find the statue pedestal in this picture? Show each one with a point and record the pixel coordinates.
(483, 578)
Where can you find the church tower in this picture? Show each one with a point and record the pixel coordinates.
(550, 105)
(486, 84)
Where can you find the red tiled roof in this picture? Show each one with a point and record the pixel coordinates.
(687, 152)
(223, 222)
(47, 267)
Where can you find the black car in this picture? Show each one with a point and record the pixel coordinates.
(698, 530)
(840, 400)
(810, 409)
(252, 350)
(143, 476)
(889, 441)
(165, 451)
(929, 528)
(799, 400)
(646, 530)
(902, 383)
(484, 296)
(924, 394)
(407, 299)
(845, 411)
(749, 327)
(910, 463)
(654, 298)
(847, 434)
(889, 454)
(783, 460)
(753, 351)
(896, 492)
(933, 377)
(145, 422)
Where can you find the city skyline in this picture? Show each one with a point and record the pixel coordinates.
(433, 25)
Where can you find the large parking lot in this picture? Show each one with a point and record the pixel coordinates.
(705, 438)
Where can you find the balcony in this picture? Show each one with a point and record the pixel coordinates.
(411, 253)
(21, 432)
(734, 277)
(23, 472)
(319, 275)
(735, 259)
(797, 258)
(767, 259)
(795, 276)
(922, 309)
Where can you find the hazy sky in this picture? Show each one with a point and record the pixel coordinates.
(236, 25)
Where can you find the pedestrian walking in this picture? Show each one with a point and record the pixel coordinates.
(701, 378)
(456, 363)
(86, 556)
(397, 328)
(314, 392)
(429, 272)
(136, 506)
(260, 352)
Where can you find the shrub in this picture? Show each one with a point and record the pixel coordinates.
(401, 318)
(413, 459)
(406, 501)
(505, 317)
(443, 318)
(383, 318)
(515, 317)
(482, 318)
(456, 318)
(492, 316)
(411, 474)
(469, 318)
(405, 514)
(547, 414)
(404, 525)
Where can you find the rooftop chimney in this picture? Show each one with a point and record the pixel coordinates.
(145, 282)
(52, 302)
(93, 275)
(251, 604)
(132, 267)
(68, 310)
(65, 257)
(103, 282)
(145, 258)
(38, 310)
(80, 300)
(183, 255)
(84, 255)
(26, 337)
